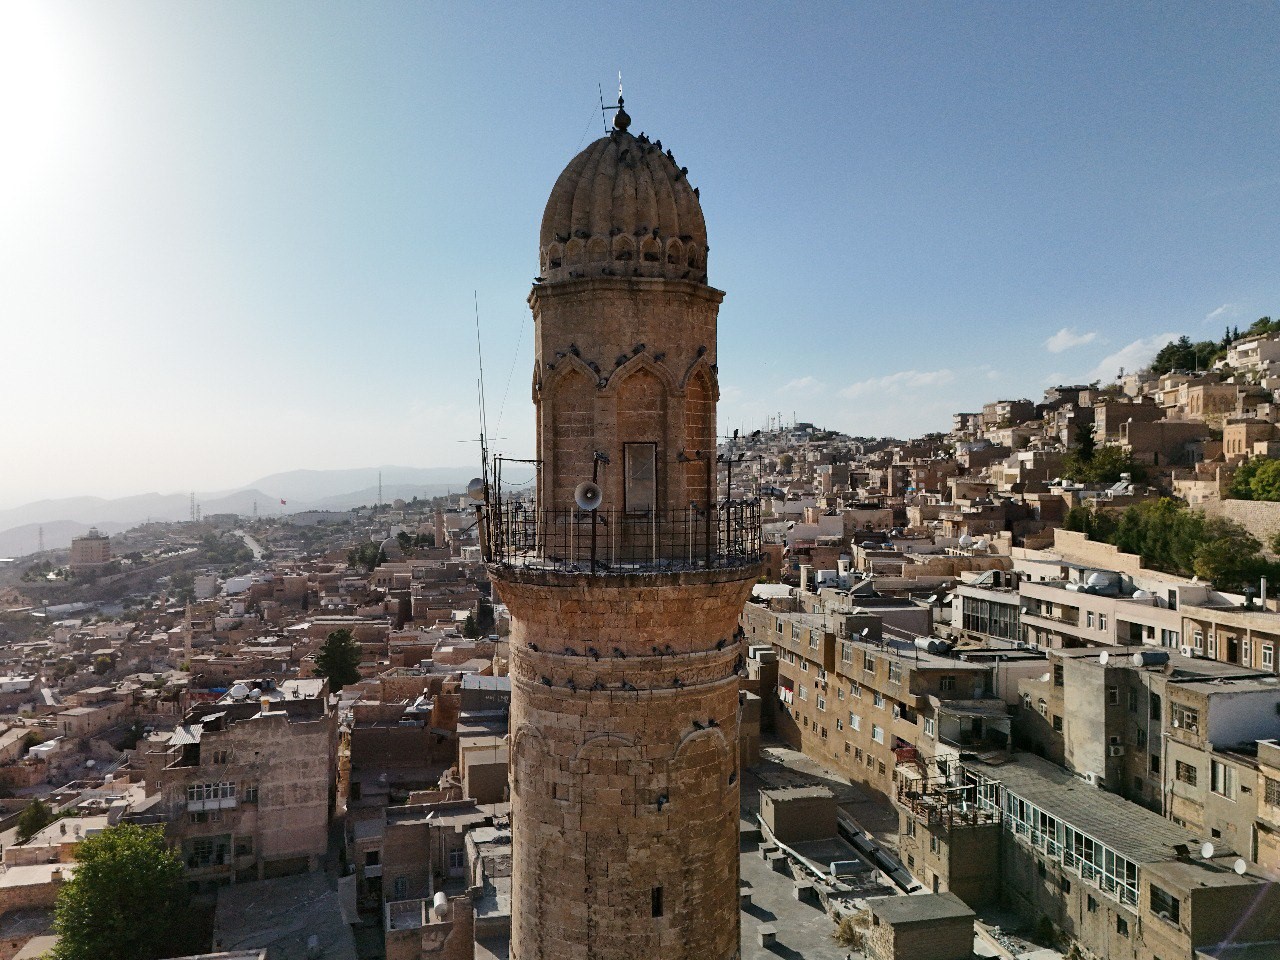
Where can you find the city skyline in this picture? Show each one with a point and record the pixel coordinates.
(243, 240)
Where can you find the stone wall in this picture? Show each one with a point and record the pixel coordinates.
(1260, 517)
(624, 764)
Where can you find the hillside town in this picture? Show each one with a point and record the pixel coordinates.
(969, 710)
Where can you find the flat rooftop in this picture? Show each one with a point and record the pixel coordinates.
(1130, 830)
(922, 908)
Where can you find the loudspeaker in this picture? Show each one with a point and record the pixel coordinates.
(587, 495)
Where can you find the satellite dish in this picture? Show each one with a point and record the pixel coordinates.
(865, 631)
(1206, 850)
(1240, 866)
(475, 489)
(587, 495)
(1103, 657)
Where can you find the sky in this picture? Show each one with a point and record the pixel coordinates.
(238, 238)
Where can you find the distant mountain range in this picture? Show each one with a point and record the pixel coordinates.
(300, 489)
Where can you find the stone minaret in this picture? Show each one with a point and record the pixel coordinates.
(624, 716)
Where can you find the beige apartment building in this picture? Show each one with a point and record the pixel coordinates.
(1117, 880)
(90, 551)
(861, 700)
(246, 788)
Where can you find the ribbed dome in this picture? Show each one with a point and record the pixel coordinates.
(623, 207)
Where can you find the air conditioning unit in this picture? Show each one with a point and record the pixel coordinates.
(1115, 751)
(1091, 778)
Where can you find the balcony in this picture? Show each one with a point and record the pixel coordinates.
(218, 803)
(604, 542)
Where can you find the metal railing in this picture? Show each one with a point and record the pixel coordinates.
(620, 541)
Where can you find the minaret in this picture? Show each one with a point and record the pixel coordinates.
(624, 714)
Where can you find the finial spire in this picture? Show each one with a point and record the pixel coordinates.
(621, 119)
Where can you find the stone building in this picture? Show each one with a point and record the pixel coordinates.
(624, 660)
(246, 786)
(90, 551)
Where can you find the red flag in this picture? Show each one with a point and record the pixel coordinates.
(282, 503)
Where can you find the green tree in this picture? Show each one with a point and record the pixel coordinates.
(469, 629)
(405, 541)
(339, 660)
(785, 462)
(1265, 483)
(365, 557)
(1085, 442)
(1241, 486)
(1103, 467)
(126, 901)
(1229, 556)
(33, 819)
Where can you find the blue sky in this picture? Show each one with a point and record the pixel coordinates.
(237, 238)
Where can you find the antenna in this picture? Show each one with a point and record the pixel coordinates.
(484, 423)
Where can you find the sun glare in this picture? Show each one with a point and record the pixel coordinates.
(37, 95)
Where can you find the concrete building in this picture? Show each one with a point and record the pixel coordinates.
(624, 686)
(90, 551)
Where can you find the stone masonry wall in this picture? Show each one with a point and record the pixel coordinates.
(624, 764)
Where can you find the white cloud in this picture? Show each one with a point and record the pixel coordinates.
(805, 385)
(898, 382)
(1225, 310)
(1133, 356)
(1066, 338)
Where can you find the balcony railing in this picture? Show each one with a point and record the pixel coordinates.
(620, 541)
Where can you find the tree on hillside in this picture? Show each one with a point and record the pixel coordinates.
(785, 463)
(126, 901)
(33, 819)
(1182, 354)
(339, 660)
(1256, 479)
(1085, 443)
(1104, 466)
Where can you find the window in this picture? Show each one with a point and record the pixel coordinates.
(1091, 904)
(1133, 700)
(249, 793)
(868, 663)
(1057, 675)
(1065, 883)
(1113, 696)
(804, 666)
(457, 858)
(1122, 926)
(1165, 905)
(855, 689)
(877, 733)
(895, 672)
(221, 756)
(372, 858)
(1223, 779)
(1213, 646)
(1185, 717)
(929, 727)
(1197, 639)
(855, 722)
(1042, 707)
(640, 477)
(1169, 638)
(878, 699)
(1155, 706)
(655, 902)
(822, 703)
(882, 768)
(839, 726)
(1246, 653)
(815, 636)
(1155, 763)
(1057, 723)
(1271, 791)
(846, 652)
(1268, 656)
(400, 888)
(804, 693)
(1102, 621)
(1088, 619)
(1142, 739)
(933, 844)
(947, 683)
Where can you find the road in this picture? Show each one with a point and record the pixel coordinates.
(251, 543)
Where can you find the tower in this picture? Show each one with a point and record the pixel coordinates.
(624, 600)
